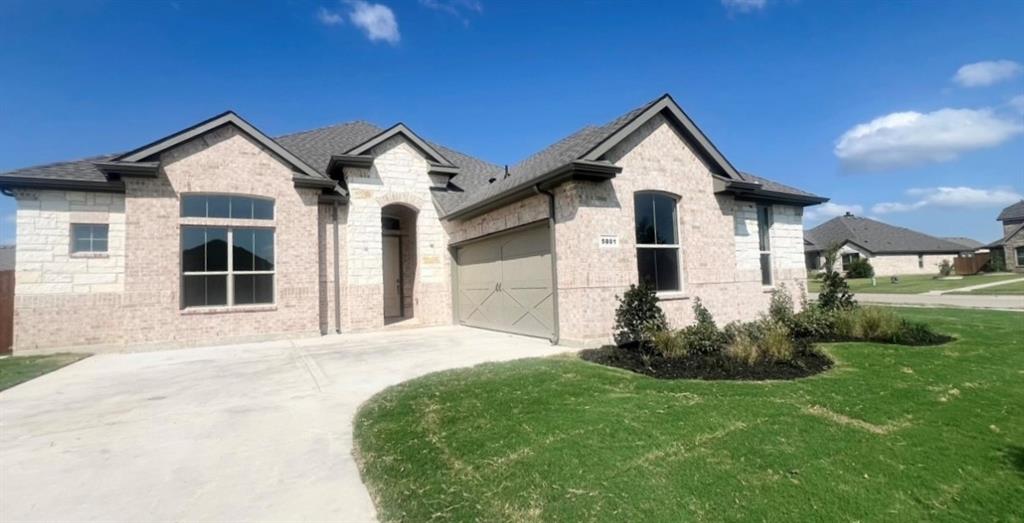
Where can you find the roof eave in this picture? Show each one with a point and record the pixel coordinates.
(308, 182)
(116, 168)
(577, 170)
(746, 190)
(15, 182)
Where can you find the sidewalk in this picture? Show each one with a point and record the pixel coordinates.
(980, 301)
(976, 287)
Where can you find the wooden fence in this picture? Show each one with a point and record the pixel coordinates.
(968, 265)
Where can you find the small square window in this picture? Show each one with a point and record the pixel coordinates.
(89, 237)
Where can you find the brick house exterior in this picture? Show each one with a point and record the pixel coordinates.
(1011, 246)
(374, 226)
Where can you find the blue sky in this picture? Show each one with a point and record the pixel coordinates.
(869, 103)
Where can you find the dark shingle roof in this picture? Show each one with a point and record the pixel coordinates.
(966, 242)
(878, 237)
(1013, 212)
(1002, 241)
(472, 185)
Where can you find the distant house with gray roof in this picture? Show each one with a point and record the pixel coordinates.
(891, 250)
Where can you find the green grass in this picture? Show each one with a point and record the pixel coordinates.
(913, 284)
(18, 369)
(891, 433)
(1009, 288)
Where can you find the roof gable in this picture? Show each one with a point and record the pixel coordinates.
(1013, 212)
(428, 150)
(674, 114)
(147, 151)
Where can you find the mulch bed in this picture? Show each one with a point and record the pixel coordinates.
(806, 363)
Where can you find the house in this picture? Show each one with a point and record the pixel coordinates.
(220, 233)
(891, 250)
(970, 245)
(1010, 248)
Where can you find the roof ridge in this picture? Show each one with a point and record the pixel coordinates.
(329, 126)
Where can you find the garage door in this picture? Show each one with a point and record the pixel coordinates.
(504, 283)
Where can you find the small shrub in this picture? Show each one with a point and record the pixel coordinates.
(914, 333)
(763, 341)
(638, 317)
(669, 343)
(860, 268)
(876, 323)
(835, 293)
(945, 268)
(703, 337)
(780, 308)
(813, 324)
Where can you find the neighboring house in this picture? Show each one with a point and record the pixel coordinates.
(1011, 246)
(970, 245)
(891, 250)
(7, 253)
(221, 233)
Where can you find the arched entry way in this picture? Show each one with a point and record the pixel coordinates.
(398, 238)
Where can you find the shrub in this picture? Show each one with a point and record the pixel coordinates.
(813, 324)
(860, 268)
(875, 323)
(669, 343)
(703, 337)
(780, 308)
(835, 293)
(638, 317)
(945, 268)
(914, 333)
(760, 341)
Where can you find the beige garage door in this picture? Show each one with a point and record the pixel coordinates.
(504, 283)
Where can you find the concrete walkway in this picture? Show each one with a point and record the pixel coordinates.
(976, 287)
(968, 301)
(259, 432)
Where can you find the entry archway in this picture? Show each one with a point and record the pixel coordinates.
(398, 241)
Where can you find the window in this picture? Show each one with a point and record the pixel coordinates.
(219, 206)
(1020, 256)
(89, 237)
(214, 275)
(920, 261)
(657, 241)
(849, 258)
(764, 241)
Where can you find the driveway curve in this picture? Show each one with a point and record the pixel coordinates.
(255, 432)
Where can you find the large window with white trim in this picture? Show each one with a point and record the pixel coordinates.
(226, 266)
(764, 242)
(657, 240)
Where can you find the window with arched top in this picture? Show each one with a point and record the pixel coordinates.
(657, 240)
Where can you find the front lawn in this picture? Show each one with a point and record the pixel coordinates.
(913, 284)
(1009, 288)
(890, 433)
(17, 369)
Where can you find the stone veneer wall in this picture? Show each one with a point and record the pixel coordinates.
(64, 298)
(718, 235)
(398, 176)
(1011, 245)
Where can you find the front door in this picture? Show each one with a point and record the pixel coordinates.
(392, 276)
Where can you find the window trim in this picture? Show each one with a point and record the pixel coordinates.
(72, 250)
(762, 252)
(1019, 251)
(677, 245)
(230, 273)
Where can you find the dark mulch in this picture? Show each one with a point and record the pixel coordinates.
(806, 363)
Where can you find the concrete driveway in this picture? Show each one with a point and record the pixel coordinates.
(258, 432)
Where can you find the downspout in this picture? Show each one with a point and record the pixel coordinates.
(337, 274)
(554, 258)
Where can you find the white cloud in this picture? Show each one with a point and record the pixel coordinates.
(377, 21)
(951, 198)
(980, 74)
(456, 8)
(1017, 103)
(744, 6)
(328, 17)
(911, 138)
(820, 213)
